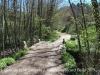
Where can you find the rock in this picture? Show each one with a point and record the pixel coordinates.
(25, 45)
(36, 41)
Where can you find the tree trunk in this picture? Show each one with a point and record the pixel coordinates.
(3, 28)
(77, 30)
(85, 28)
(15, 22)
(97, 25)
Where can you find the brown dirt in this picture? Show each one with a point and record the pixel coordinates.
(43, 59)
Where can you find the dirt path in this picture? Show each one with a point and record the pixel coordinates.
(43, 59)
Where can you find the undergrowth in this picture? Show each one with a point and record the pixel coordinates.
(68, 60)
(52, 37)
(69, 64)
(19, 54)
(71, 44)
(4, 62)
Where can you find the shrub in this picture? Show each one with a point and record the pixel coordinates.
(19, 54)
(22, 52)
(16, 56)
(71, 45)
(68, 60)
(2, 64)
(6, 61)
(10, 60)
(53, 36)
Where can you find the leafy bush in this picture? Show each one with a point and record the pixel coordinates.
(64, 29)
(10, 60)
(71, 29)
(16, 56)
(92, 37)
(6, 61)
(19, 54)
(71, 44)
(2, 64)
(61, 28)
(46, 31)
(68, 60)
(53, 36)
(22, 52)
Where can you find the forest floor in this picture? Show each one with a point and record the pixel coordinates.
(43, 59)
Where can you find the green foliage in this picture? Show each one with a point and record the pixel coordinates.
(68, 60)
(6, 61)
(10, 60)
(58, 22)
(2, 64)
(52, 37)
(16, 56)
(71, 29)
(69, 63)
(64, 29)
(61, 28)
(22, 52)
(91, 30)
(92, 37)
(46, 31)
(71, 45)
(92, 33)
